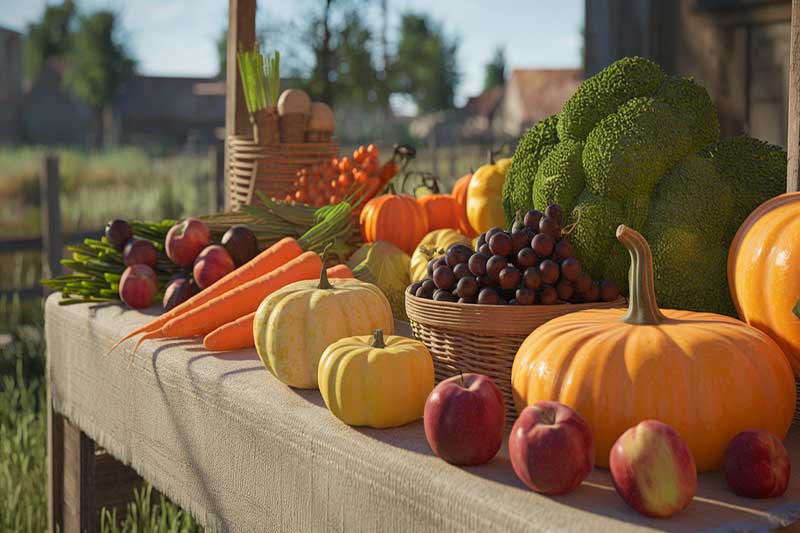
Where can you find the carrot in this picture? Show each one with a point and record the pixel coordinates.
(276, 255)
(238, 334)
(242, 300)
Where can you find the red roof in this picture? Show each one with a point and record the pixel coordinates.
(543, 92)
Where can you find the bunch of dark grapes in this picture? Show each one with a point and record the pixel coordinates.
(532, 264)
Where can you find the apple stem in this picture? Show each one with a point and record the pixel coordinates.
(377, 339)
(460, 373)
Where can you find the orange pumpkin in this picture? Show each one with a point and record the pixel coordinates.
(394, 218)
(441, 210)
(764, 272)
(708, 376)
(460, 195)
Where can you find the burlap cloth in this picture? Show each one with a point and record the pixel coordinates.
(242, 452)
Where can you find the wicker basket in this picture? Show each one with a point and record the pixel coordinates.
(482, 338)
(270, 168)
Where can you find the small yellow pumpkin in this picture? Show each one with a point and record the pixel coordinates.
(485, 195)
(708, 376)
(376, 381)
(434, 244)
(295, 324)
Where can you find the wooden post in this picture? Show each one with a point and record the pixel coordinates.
(55, 468)
(793, 138)
(50, 207)
(216, 177)
(241, 32)
(79, 508)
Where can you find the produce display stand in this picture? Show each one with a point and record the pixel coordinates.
(242, 452)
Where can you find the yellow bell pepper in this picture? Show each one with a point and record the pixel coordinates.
(376, 381)
(485, 196)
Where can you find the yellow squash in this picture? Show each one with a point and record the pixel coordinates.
(708, 376)
(376, 381)
(295, 324)
(434, 244)
(485, 195)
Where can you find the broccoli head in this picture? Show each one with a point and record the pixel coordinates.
(534, 145)
(559, 179)
(603, 93)
(645, 149)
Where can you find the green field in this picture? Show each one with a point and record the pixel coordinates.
(125, 183)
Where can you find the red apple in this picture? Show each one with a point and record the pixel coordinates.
(213, 263)
(139, 252)
(551, 448)
(464, 419)
(186, 240)
(138, 286)
(179, 289)
(757, 465)
(653, 469)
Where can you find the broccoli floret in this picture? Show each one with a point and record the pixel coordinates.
(596, 219)
(689, 271)
(692, 104)
(755, 171)
(687, 195)
(629, 151)
(603, 93)
(532, 148)
(560, 179)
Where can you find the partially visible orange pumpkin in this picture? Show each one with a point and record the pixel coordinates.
(441, 209)
(708, 376)
(460, 195)
(394, 218)
(764, 272)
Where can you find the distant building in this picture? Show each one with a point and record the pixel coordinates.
(530, 96)
(737, 49)
(154, 110)
(502, 113)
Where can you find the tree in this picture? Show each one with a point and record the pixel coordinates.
(495, 70)
(100, 65)
(222, 52)
(426, 67)
(358, 81)
(48, 37)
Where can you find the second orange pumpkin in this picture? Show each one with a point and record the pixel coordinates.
(394, 218)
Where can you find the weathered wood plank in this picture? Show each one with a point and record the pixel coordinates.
(793, 139)
(241, 32)
(37, 243)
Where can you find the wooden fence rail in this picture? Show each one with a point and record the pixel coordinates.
(52, 241)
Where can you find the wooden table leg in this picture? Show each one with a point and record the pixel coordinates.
(55, 469)
(82, 479)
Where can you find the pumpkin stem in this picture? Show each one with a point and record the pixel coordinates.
(323, 276)
(377, 339)
(491, 157)
(643, 308)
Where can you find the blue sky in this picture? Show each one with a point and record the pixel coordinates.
(176, 37)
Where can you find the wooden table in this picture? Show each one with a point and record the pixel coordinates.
(242, 452)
